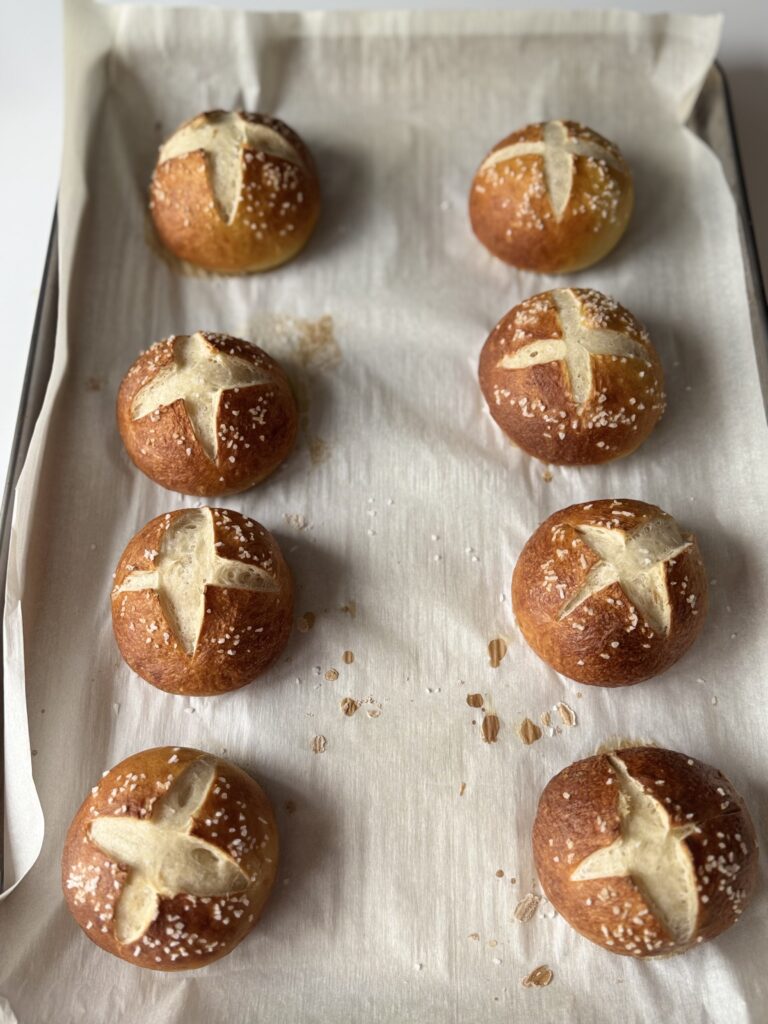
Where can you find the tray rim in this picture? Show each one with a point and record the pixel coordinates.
(43, 335)
(33, 390)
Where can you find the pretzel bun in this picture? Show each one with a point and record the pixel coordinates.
(206, 414)
(572, 377)
(553, 197)
(234, 192)
(202, 601)
(170, 860)
(645, 851)
(610, 592)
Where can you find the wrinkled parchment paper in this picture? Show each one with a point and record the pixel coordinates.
(406, 841)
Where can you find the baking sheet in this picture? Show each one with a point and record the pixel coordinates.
(401, 514)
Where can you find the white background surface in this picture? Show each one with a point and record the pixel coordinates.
(31, 116)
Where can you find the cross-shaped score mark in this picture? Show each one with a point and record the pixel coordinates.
(186, 564)
(652, 853)
(199, 375)
(637, 562)
(162, 858)
(557, 150)
(575, 348)
(222, 135)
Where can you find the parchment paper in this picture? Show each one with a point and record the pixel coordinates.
(401, 514)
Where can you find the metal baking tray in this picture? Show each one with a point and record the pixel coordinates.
(712, 120)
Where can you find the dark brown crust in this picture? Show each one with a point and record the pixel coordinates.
(606, 617)
(257, 426)
(283, 195)
(513, 218)
(243, 633)
(92, 883)
(534, 406)
(569, 828)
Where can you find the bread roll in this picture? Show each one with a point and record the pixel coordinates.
(170, 860)
(202, 601)
(234, 192)
(206, 414)
(572, 377)
(645, 851)
(553, 197)
(610, 592)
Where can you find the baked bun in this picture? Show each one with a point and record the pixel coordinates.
(234, 192)
(170, 860)
(206, 414)
(202, 601)
(610, 592)
(645, 851)
(572, 377)
(553, 197)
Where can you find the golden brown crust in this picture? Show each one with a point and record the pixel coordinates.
(535, 405)
(277, 212)
(256, 426)
(243, 632)
(606, 641)
(513, 216)
(188, 932)
(578, 813)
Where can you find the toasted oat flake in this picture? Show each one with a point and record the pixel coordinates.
(528, 732)
(539, 977)
(497, 648)
(527, 907)
(567, 714)
(491, 726)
